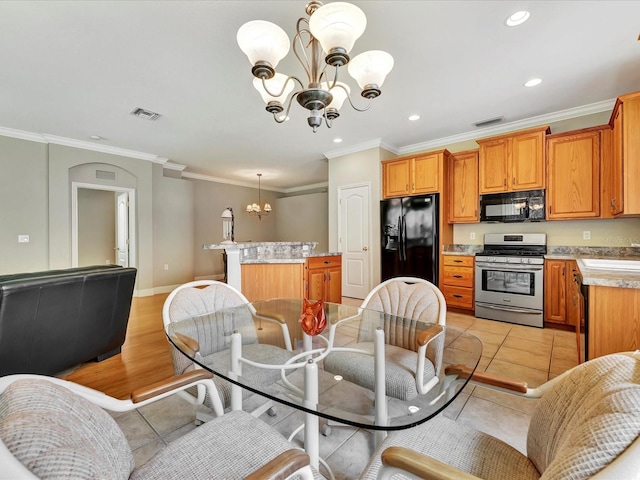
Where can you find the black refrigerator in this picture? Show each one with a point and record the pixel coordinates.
(410, 237)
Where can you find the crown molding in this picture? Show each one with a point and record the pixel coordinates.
(306, 187)
(123, 152)
(22, 135)
(174, 166)
(209, 178)
(361, 147)
(606, 105)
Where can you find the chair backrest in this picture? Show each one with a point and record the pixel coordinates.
(190, 300)
(408, 297)
(56, 433)
(588, 419)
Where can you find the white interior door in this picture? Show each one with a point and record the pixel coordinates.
(354, 240)
(122, 229)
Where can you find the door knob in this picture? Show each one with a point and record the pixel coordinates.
(365, 249)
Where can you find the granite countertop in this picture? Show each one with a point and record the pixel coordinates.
(283, 257)
(609, 278)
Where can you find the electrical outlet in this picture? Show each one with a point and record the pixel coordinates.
(23, 238)
(472, 236)
(586, 235)
(166, 266)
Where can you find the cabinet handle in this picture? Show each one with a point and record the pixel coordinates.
(549, 209)
(613, 203)
(406, 187)
(505, 182)
(457, 276)
(457, 296)
(513, 181)
(458, 261)
(327, 262)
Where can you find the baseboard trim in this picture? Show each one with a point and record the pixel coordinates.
(148, 292)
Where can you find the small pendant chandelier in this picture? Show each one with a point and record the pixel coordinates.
(255, 208)
(321, 44)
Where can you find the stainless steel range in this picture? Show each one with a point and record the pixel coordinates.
(509, 278)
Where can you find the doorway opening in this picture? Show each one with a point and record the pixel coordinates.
(102, 225)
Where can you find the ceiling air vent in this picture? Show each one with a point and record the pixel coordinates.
(491, 121)
(146, 114)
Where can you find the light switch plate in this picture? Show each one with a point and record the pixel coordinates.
(23, 238)
(586, 235)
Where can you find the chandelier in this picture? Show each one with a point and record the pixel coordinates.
(255, 208)
(321, 42)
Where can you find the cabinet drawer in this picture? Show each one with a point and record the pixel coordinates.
(458, 260)
(323, 262)
(458, 276)
(458, 297)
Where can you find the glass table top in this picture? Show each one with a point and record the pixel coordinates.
(274, 357)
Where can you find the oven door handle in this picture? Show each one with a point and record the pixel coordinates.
(508, 309)
(510, 267)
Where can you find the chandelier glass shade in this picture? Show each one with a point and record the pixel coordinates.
(256, 208)
(321, 44)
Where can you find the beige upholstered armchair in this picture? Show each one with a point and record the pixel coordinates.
(413, 353)
(52, 428)
(185, 304)
(586, 425)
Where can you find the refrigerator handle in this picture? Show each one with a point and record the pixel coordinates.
(404, 236)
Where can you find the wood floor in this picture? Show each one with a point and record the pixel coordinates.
(145, 357)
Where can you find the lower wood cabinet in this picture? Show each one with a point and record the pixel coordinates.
(562, 303)
(458, 280)
(262, 281)
(323, 278)
(614, 320)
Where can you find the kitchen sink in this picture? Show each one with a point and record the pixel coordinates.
(611, 264)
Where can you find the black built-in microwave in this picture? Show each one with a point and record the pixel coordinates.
(527, 206)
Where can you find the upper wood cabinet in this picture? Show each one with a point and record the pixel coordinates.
(573, 174)
(413, 175)
(513, 162)
(625, 171)
(463, 187)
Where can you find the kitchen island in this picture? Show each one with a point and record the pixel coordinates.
(612, 306)
(264, 270)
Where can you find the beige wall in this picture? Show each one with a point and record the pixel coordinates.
(24, 201)
(617, 232)
(354, 169)
(210, 200)
(61, 160)
(303, 218)
(96, 227)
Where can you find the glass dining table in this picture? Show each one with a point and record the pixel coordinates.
(263, 347)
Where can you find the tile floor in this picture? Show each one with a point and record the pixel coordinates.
(526, 353)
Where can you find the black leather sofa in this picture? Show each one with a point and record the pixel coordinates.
(53, 320)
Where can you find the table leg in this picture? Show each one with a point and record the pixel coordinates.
(236, 370)
(380, 385)
(311, 423)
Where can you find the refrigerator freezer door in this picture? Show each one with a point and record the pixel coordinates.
(391, 240)
(420, 238)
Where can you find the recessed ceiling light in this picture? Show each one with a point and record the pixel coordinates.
(413, 118)
(337, 140)
(517, 18)
(95, 137)
(533, 82)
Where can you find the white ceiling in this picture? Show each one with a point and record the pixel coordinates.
(74, 69)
